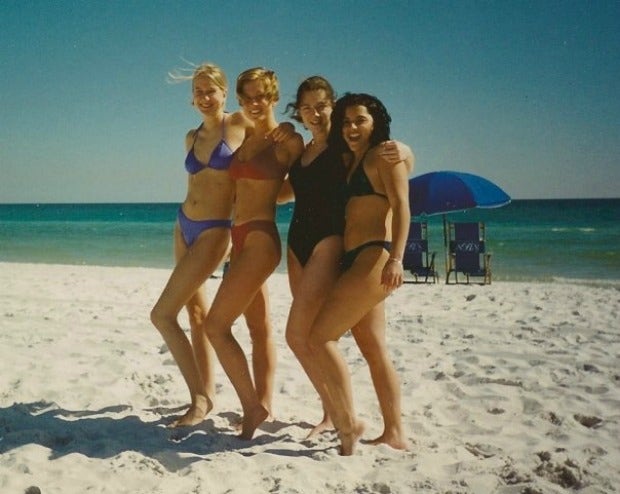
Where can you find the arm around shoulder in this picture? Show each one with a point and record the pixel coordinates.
(294, 147)
(396, 151)
(239, 118)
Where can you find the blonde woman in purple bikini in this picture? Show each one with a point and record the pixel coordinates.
(201, 236)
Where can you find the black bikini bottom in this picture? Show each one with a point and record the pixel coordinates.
(349, 257)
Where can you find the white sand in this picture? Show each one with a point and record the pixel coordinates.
(508, 388)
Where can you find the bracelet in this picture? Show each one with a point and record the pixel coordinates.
(395, 259)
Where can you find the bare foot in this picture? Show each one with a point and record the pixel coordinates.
(267, 406)
(349, 441)
(395, 441)
(195, 414)
(325, 425)
(251, 421)
(238, 424)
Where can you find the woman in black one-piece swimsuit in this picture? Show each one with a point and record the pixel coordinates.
(315, 233)
(315, 240)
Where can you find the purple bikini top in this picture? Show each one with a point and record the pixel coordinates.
(220, 157)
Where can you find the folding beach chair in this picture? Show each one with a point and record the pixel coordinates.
(417, 260)
(467, 252)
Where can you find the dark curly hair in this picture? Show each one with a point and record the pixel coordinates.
(313, 83)
(380, 116)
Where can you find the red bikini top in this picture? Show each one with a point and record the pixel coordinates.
(262, 166)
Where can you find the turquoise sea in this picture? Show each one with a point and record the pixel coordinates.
(537, 240)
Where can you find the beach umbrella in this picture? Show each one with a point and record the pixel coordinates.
(447, 191)
(443, 192)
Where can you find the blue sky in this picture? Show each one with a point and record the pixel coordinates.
(525, 93)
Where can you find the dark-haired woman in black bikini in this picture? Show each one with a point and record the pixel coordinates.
(377, 221)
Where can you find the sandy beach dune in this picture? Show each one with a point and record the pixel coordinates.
(507, 388)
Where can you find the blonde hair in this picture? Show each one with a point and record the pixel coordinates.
(266, 76)
(209, 70)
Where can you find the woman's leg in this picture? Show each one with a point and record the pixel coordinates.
(263, 347)
(197, 309)
(369, 335)
(249, 269)
(354, 294)
(193, 267)
(309, 285)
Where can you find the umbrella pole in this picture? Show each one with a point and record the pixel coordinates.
(445, 246)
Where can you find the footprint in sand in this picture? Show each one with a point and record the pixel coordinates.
(553, 418)
(591, 368)
(565, 474)
(531, 406)
(596, 390)
(482, 450)
(588, 421)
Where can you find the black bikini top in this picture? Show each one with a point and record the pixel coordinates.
(359, 184)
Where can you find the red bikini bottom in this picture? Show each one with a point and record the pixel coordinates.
(239, 232)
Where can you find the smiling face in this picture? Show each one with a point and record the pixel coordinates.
(258, 93)
(208, 97)
(315, 110)
(357, 127)
(255, 102)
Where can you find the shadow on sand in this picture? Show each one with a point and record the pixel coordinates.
(111, 431)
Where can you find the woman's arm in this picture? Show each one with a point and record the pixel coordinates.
(395, 151)
(282, 132)
(395, 180)
(189, 139)
(291, 149)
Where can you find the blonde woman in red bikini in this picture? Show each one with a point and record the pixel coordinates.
(258, 169)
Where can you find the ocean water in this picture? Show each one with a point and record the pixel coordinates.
(530, 240)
